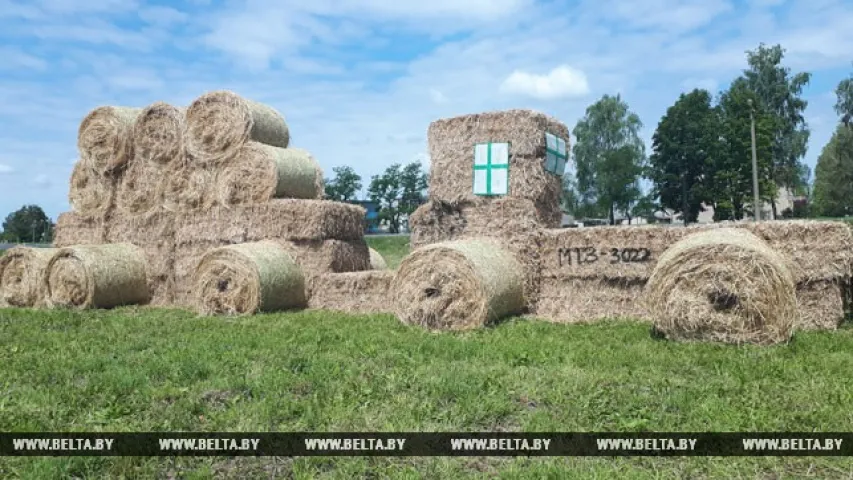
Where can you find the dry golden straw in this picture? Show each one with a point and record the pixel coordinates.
(261, 172)
(186, 188)
(97, 276)
(139, 190)
(724, 285)
(22, 275)
(458, 285)
(75, 229)
(105, 137)
(353, 292)
(219, 123)
(377, 262)
(451, 146)
(158, 134)
(247, 278)
(90, 193)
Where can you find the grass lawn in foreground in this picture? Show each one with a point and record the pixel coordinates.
(146, 369)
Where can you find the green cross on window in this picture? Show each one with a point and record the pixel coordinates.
(491, 169)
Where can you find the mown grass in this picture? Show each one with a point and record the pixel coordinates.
(145, 369)
(392, 248)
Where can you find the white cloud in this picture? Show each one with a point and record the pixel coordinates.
(561, 82)
(5, 169)
(165, 16)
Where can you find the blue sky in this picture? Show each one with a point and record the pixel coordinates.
(359, 81)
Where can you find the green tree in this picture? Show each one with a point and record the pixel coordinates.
(844, 104)
(780, 94)
(609, 156)
(29, 224)
(730, 175)
(345, 186)
(398, 192)
(833, 185)
(684, 146)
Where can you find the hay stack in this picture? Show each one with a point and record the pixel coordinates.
(75, 229)
(509, 221)
(248, 278)
(352, 292)
(97, 276)
(219, 123)
(186, 188)
(451, 146)
(139, 189)
(90, 193)
(158, 135)
(22, 276)
(154, 233)
(377, 262)
(724, 285)
(458, 285)
(261, 172)
(105, 137)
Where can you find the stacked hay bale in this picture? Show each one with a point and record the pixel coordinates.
(515, 219)
(601, 272)
(178, 182)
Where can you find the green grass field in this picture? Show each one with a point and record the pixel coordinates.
(144, 369)
(392, 249)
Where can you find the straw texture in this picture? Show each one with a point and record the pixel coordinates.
(261, 172)
(139, 188)
(377, 262)
(458, 285)
(89, 192)
(105, 137)
(97, 276)
(154, 233)
(724, 285)
(75, 229)
(248, 278)
(451, 146)
(352, 292)
(220, 123)
(22, 276)
(158, 134)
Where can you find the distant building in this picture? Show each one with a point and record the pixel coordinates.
(372, 216)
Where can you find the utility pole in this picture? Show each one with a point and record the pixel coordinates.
(756, 205)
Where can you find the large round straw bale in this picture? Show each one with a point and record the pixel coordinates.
(247, 278)
(458, 285)
(158, 134)
(22, 275)
(377, 262)
(97, 276)
(89, 193)
(106, 137)
(219, 123)
(261, 172)
(725, 285)
(139, 190)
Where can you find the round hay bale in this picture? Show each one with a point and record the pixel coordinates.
(377, 262)
(185, 188)
(105, 137)
(219, 123)
(158, 134)
(97, 276)
(724, 285)
(139, 190)
(261, 172)
(89, 192)
(22, 276)
(247, 278)
(458, 285)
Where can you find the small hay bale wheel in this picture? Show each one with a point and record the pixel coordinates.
(458, 285)
(723, 285)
